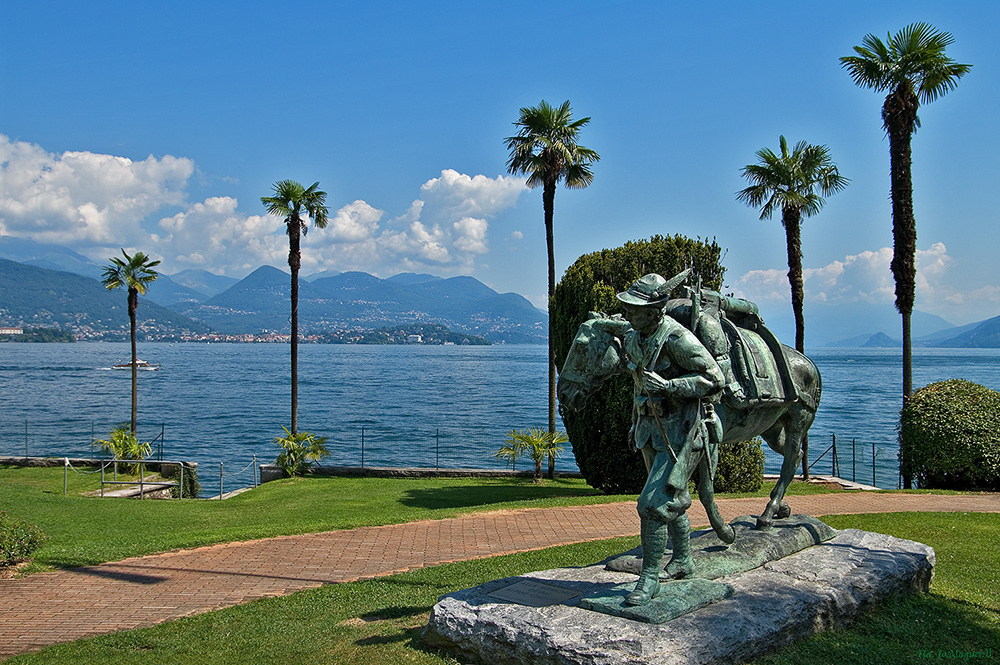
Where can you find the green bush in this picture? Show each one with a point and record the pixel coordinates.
(599, 433)
(17, 540)
(191, 485)
(949, 436)
(741, 467)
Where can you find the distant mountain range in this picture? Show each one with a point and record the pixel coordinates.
(39, 297)
(360, 300)
(54, 286)
(198, 300)
(866, 325)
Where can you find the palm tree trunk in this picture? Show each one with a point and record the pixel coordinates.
(133, 305)
(294, 262)
(899, 113)
(791, 219)
(548, 203)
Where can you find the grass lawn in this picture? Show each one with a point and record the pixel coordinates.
(379, 621)
(88, 530)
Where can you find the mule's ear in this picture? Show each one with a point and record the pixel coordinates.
(673, 283)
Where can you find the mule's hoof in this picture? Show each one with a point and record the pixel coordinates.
(784, 510)
(644, 592)
(727, 534)
(764, 523)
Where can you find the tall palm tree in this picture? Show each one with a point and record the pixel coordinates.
(136, 274)
(296, 204)
(796, 182)
(913, 68)
(546, 150)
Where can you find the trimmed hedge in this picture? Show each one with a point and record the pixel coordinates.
(599, 432)
(949, 436)
(741, 467)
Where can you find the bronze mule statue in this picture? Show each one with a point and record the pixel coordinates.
(706, 371)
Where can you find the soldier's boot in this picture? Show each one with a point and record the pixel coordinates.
(681, 564)
(653, 535)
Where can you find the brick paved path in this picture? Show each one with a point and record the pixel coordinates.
(47, 608)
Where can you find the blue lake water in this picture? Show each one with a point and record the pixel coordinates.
(427, 406)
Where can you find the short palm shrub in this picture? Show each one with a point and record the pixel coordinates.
(536, 443)
(741, 467)
(17, 540)
(949, 436)
(299, 451)
(125, 446)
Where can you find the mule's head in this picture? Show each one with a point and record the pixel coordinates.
(594, 357)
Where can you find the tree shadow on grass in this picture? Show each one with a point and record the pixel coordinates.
(465, 496)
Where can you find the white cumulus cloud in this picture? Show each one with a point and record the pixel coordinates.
(866, 277)
(96, 203)
(84, 198)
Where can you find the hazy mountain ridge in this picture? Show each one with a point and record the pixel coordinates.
(359, 300)
(34, 296)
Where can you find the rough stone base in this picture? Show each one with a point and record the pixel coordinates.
(823, 587)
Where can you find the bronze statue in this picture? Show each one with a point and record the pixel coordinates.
(705, 371)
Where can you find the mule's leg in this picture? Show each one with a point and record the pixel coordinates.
(706, 492)
(787, 442)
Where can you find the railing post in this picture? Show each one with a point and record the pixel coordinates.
(25, 439)
(180, 495)
(437, 454)
(162, 430)
(220, 481)
(854, 461)
(142, 490)
(255, 483)
(834, 462)
(362, 446)
(874, 484)
(103, 466)
(65, 474)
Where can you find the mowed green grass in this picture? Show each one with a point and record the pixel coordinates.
(86, 530)
(380, 621)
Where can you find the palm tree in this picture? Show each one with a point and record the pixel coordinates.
(546, 150)
(292, 201)
(795, 182)
(136, 274)
(913, 68)
(534, 442)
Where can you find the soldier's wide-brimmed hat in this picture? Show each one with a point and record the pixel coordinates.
(651, 289)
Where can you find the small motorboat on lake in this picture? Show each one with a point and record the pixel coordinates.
(139, 365)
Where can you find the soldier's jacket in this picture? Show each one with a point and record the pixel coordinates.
(675, 354)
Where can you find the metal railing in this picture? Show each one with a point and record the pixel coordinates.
(142, 483)
(836, 469)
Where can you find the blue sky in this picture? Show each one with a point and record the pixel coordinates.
(158, 126)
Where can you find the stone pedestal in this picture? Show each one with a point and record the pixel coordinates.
(537, 618)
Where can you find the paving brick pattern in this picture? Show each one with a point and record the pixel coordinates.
(48, 608)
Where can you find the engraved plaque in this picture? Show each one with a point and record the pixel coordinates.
(534, 594)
